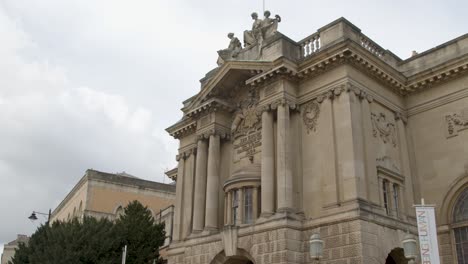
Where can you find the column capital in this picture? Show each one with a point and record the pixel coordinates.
(185, 154)
(264, 108)
(223, 134)
(336, 91)
(401, 116)
(283, 102)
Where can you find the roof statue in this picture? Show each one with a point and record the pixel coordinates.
(233, 49)
(262, 29)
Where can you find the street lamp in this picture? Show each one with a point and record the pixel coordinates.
(316, 247)
(409, 247)
(33, 216)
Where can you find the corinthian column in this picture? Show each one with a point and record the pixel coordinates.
(284, 173)
(179, 198)
(268, 165)
(212, 203)
(200, 186)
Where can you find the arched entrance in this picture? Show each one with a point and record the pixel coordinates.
(242, 257)
(396, 256)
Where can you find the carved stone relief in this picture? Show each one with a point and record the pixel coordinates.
(456, 123)
(246, 127)
(383, 128)
(310, 114)
(388, 163)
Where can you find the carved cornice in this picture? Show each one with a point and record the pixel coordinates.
(435, 78)
(379, 70)
(182, 128)
(212, 105)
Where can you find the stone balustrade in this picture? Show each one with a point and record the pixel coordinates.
(371, 46)
(310, 45)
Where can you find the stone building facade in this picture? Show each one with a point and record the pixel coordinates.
(9, 249)
(332, 135)
(100, 194)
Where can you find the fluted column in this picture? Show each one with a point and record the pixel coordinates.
(229, 208)
(200, 186)
(255, 203)
(188, 193)
(212, 202)
(284, 173)
(268, 165)
(179, 198)
(241, 206)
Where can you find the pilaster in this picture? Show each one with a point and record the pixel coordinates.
(268, 164)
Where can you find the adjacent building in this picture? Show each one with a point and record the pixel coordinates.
(9, 248)
(100, 194)
(331, 135)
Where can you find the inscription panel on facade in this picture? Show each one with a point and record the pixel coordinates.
(248, 145)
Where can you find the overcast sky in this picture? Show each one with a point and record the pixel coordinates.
(94, 83)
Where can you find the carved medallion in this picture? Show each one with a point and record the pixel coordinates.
(383, 128)
(456, 123)
(310, 114)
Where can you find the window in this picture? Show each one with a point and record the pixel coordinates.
(460, 219)
(391, 196)
(235, 206)
(119, 212)
(396, 205)
(248, 205)
(385, 196)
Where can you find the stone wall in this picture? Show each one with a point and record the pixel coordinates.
(445, 248)
(346, 242)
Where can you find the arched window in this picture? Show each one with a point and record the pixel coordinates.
(460, 222)
(119, 212)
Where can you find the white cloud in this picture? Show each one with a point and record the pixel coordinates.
(54, 129)
(92, 84)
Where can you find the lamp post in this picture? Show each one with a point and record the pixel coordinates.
(409, 247)
(316, 247)
(33, 216)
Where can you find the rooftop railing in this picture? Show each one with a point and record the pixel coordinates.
(371, 46)
(310, 45)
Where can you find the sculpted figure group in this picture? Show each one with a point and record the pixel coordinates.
(261, 30)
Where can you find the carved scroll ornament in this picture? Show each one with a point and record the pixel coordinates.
(383, 128)
(456, 123)
(310, 114)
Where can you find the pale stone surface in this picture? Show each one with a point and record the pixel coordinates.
(211, 219)
(200, 186)
(348, 137)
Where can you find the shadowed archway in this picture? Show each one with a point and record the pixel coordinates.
(242, 257)
(396, 256)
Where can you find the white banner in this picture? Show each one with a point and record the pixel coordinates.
(427, 230)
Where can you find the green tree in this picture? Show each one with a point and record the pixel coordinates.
(86, 241)
(96, 241)
(142, 235)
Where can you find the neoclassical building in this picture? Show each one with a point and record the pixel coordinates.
(331, 135)
(105, 195)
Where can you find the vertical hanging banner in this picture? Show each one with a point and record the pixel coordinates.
(427, 230)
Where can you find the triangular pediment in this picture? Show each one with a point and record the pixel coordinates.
(228, 76)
